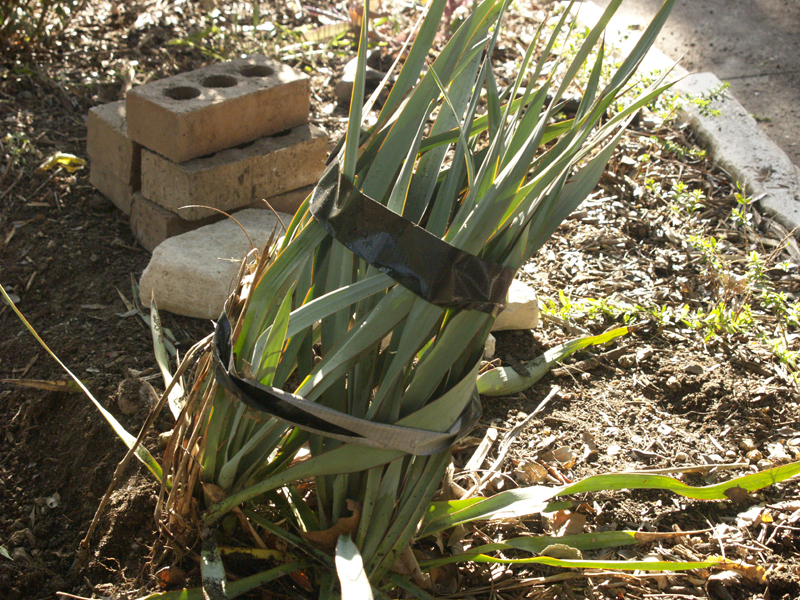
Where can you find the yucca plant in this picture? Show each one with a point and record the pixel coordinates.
(374, 309)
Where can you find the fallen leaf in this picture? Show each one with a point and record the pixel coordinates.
(530, 472)
(565, 522)
(170, 577)
(737, 494)
(213, 492)
(589, 448)
(562, 552)
(70, 162)
(344, 526)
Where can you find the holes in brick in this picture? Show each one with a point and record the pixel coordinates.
(219, 81)
(182, 92)
(256, 71)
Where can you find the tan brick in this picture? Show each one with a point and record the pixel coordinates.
(237, 177)
(107, 142)
(152, 224)
(217, 107)
(102, 177)
(287, 202)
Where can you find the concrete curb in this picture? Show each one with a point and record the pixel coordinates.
(737, 144)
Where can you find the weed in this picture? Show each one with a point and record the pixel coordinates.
(740, 217)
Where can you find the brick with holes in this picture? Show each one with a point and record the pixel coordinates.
(217, 107)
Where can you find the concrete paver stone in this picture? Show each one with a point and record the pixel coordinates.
(217, 107)
(192, 274)
(236, 177)
(107, 142)
(522, 310)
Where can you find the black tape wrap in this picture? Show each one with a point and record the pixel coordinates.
(325, 421)
(418, 260)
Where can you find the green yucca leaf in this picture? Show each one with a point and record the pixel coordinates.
(506, 381)
(534, 499)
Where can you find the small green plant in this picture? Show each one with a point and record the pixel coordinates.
(680, 198)
(678, 150)
(703, 101)
(740, 216)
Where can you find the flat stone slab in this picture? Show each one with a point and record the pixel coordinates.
(217, 107)
(192, 274)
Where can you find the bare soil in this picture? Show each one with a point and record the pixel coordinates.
(660, 397)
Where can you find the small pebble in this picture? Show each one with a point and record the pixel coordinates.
(754, 456)
(490, 347)
(681, 457)
(627, 361)
(694, 369)
(747, 445)
(20, 554)
(764, 464)
(673, 383)
(730, 454)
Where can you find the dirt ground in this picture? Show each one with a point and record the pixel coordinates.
(663, 396)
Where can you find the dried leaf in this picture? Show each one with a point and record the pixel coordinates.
(530, 472)
(562, 552)
(737, 494)
(70, 162)
(213, 493)
(344, 526)
(565, 522)
(589, 448)
(170, 577)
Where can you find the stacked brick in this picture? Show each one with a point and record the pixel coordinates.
(224, 137)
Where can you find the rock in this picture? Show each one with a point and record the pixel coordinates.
(490, 347)
(20, 554)
(192, 274)
(344, 87)
(522, 310)
(681, 457)
(694, 369)
(626, 361)
(754, 456)
(673, 383)
(747, 445)
(719, 584)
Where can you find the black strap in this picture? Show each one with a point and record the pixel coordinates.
(325, 421)
(418, 260)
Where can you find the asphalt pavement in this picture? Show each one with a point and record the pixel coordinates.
(752, 44)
